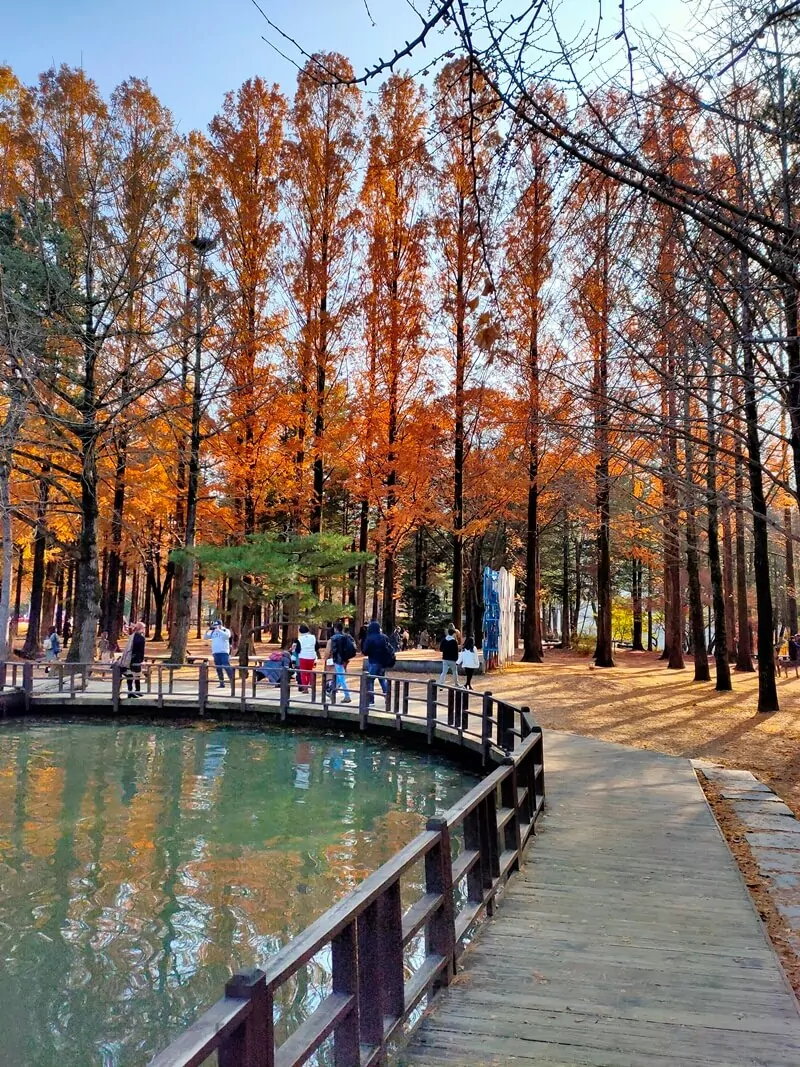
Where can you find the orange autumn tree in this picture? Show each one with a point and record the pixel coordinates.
(464, 113)
(396, 312)
(529, 237)
(320, 158)
(244, 159)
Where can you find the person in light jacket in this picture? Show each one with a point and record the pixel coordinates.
(468, 659)
(220, 638)
(307, 656)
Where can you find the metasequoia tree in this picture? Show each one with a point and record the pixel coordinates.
(320, 156)
(465, 138)
(529, 238)
(111, 221)
(396, 310)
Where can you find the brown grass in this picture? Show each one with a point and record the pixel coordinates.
(642, 703)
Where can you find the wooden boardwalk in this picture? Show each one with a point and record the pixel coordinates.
(628, 940)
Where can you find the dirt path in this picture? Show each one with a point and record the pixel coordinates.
(639, 702)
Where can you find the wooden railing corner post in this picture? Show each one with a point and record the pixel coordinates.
(116, 684)
(27, 683)
(284, 693)
(202, 688)
(440, 935)
(363, 699)
(253, 1043)
(431, 709)
(486, 725)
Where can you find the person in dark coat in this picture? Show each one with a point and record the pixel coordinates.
(376, 650)
(133, 668)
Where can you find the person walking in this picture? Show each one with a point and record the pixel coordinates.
(52, 648)
(132, 659)
(448, 647)
(342, 650)
(424, 638)
(307, 657)
(379, 655)
(104, 647)
(469, 660)
(220, 638)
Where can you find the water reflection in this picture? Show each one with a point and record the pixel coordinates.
(139, 866)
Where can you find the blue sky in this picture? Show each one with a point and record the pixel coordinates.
(193, 51)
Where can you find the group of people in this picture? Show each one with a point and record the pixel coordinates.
(379, 651)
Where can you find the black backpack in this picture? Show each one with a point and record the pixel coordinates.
(389, 658)
(346, 647)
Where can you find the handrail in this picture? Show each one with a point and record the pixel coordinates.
(380, 973)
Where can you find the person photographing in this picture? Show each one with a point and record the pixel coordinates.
(220, 637)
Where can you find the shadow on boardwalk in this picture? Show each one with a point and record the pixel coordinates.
(629, 939)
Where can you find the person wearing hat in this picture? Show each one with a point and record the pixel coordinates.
(220, 638)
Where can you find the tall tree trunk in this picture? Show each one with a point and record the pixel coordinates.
(728, 582)
(767, 688)
(791, 596)
(33, 637)
(744, 653)
(721, 642)
(112, 612)
(361, 587)
(184, 570)
(701, 668)
(532, 630)
(565, 594)
(637, 605)
(14, 628)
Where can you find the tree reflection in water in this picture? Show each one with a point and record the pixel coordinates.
(140, 865)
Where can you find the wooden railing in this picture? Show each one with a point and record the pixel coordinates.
(385, 954)
(376, 988)
(423, 704)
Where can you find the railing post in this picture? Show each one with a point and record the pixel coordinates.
(486, 726)
(284, 693)
(61, 677)
(27, 683)
(72, 683)
(2, 675)
(465, 711)
(160, 685)
(344, 967)
(440, 935)
(512, 835)
(202, 688)
(116, 683)
(243, 689)
(404, 710)
(380, 965)
(431, 710)
(363, 699)
(451, 711)
(253, 1043)
(524, 728)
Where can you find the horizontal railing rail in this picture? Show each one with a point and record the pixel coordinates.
(386, 953)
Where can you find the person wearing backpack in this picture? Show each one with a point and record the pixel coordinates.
(52, 647)
(379, 656)
(449, 650)
(342, 650)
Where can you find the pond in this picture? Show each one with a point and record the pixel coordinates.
(141, 865)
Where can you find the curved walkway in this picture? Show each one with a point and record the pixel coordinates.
(629, 938)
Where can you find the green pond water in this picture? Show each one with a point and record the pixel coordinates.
(140, 866)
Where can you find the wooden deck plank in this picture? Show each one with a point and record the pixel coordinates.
(627, 939)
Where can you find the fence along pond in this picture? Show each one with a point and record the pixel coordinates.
(385, 960)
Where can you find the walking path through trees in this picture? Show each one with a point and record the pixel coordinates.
(628, 938)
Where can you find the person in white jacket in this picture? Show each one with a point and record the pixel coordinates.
(468, 659)
(307, 656)
(220, 638)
